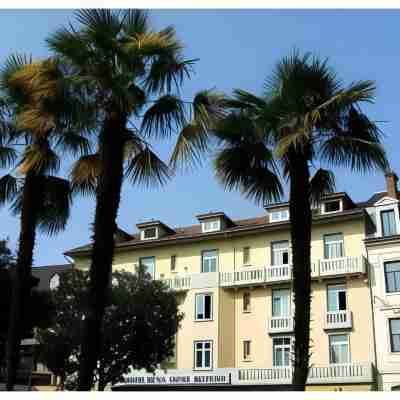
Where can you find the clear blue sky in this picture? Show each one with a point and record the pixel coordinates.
(237, 49)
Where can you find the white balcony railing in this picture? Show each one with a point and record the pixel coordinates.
(338, 320)
(281, 324)
(342, 266)
(347, 373)
(178, 283)
(276, 273)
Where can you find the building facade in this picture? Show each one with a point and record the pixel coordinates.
(233, 280)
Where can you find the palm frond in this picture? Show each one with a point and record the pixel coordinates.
(322, 183)
(191, 145)
(85, 173)
(74, 143)
(39, 158)
(8, 156)
(208, 108)
(163, 117)
(135, 22)
(244, 100)
(146, 168)
(8, 189)
(99, 21)
(55, 208)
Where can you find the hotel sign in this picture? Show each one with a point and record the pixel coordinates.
(193, 379)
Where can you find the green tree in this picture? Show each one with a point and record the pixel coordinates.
(132, 75)
(306, 116)
(138, 328)
(36, 115)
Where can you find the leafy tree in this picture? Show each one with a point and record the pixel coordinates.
(138, 329)
(132, 75)
(7, 258)
(306, 116)
(35, 112)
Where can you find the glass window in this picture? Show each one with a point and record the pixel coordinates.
(334, 245)
(246, 255)
(54, 282)
(211, 226)
(392, 276)
(279, 215)
(339, 351)
(203, 355)
(173, 263)
(203, 306)
(280, 253)
(209, 261)
(280, 302)
(149, 264)
(281, 351)
(150, 233)
(336, 298)
(246, 349)
(394, 325)
(332, 206)
(388, 223)
(246, 301)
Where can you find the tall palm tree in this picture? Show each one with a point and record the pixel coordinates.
(34, 112)
(305, 117)
(132, 75)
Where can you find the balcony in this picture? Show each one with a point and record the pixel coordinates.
(278, 273)
(331, 374)
(178, 283)
(282, 324)
(339, 320)
(341, 266)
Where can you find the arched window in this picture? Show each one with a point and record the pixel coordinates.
(54, 282)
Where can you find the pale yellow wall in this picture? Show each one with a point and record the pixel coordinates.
(226, 326)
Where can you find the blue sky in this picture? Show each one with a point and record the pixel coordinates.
(237, 49)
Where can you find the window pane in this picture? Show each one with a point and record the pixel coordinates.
(199, 359)
(209, 263)
(207, 359)
(148, 263)
(280, 302)
(246, 255)
(388, 223)
(207, 306)
(342, 300)
(280, 252)
(207, 345)
(334, 245)
(395, 326)
(199, 306)
(392, 276)
(392, 266)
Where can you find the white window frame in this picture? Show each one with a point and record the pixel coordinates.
(203, 295)
(339, 287)
(385, 286)
(323, 209)
(203, 257)
(173, 262)
(281, 346)
(211, 225)
(154, 268)
(337, 241)
(289, 302)
(142, 233)
(248, 249)
(246, 350)
(348, 348)
(273, 251)
(387, 205)
(279, 215)
(202, 368)
(395, 220)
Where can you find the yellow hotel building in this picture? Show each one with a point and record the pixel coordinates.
(233, 280)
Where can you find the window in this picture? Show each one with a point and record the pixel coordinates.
(280, 302)
(149, 233)
(281, 351)
(388, 223)
(392, 276)
(246, 255)
(173, 263)
(336, 298)
(332, 206)
(209, 261)
(339, 351)
(203, 307)
(211, 225)
(280, 253)
(246, 302)
(394, 326)
(333, 246)
(279, 215)
(148, 263)
(246, 350)
(54, 282)
(203, 355)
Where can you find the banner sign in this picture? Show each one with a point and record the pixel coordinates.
(178, 379)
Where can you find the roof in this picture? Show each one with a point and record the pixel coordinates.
(239, 227)
(45, 273)
(373, 199)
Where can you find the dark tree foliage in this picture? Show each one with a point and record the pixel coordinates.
(138, 330)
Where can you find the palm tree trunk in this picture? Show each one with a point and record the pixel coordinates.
(300, 230)
(107, 203)
(21, 282)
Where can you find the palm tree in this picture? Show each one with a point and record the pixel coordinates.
(305, 117)
(34, 111)
(132, 75)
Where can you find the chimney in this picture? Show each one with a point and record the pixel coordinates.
(391, 184)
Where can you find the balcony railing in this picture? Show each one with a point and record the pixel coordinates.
(342, 266)
(280, 324)
(178, 283)
(347, 373)
(276, 273)
(338, 320)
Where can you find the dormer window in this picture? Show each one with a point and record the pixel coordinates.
(150, 233)
(388, 219)
(211, 225)
(279, 215)
(332, 206)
